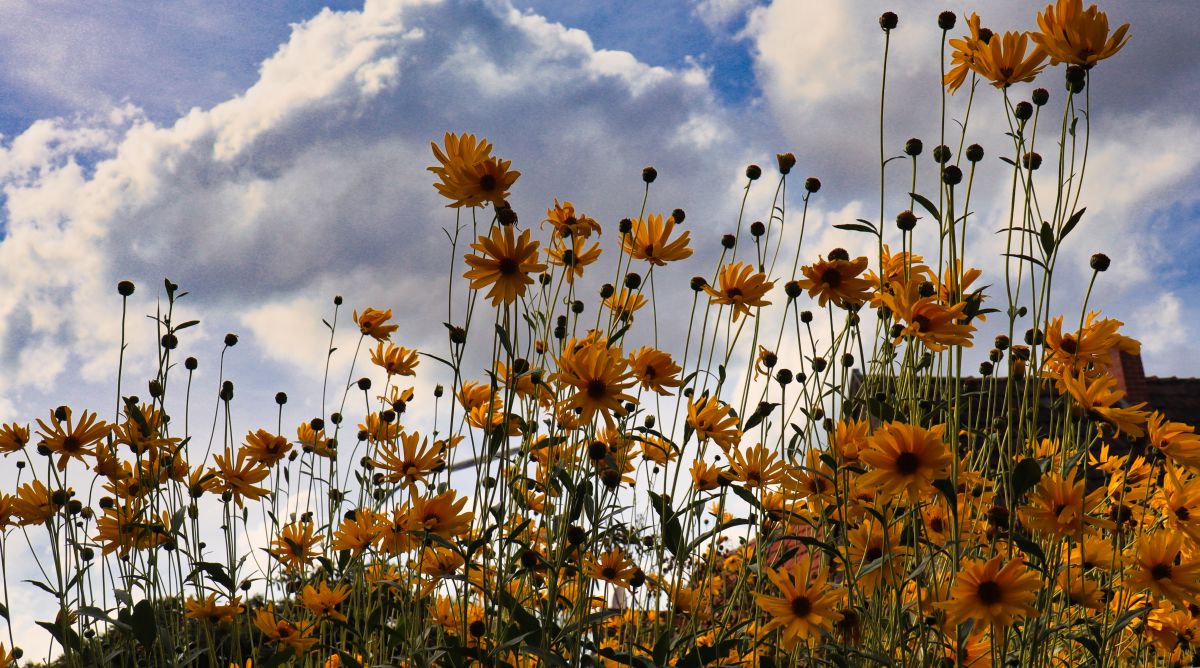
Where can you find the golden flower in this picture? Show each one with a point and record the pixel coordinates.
(266, 448)
(1003, 60)
(1176, 440)
(238, 477)
(374, 323)
(613, 567)
(836, 279)
(757, 467)
(658, 450)
(1179, 502)
(395, 360)
(1156, 562)
(411, 463)
(313, 440)
(808, 606)
(13, 438)
(574, 257)
(705, 476)
(503, 261)
(974, 651)
(567, 222)
(295, 545)
(208, 608)
(126, 527)
(711, 420)
(294, 635)
(1090, 348)
(72, 440)
(906, 459)
(441, 515)
(469, 175)
(872, 542)
(378, 430)
(35, 503)
(651, 241)
(358, 530)
(991, 594)
(7, 658)
(741, 288)
(624, 303)
(598, 376)
(850, 438)
(933, 323)
(1058, 506)
(654, 370)
(1099, 396)
(966, 50)
(1072, 35)
(323, 601)
(1079, 590)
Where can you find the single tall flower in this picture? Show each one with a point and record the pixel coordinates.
(992, 594)
(599, 377)
(1157, 563)
(1004, 63)
(374, 323)
(69, 439)
(651, 241)
(966, 51)
(503, 261)
(711, 419)
(906, 459)
(836, 279)
(808, 606)
(1075, 36)
(469, 175)
(741, 288)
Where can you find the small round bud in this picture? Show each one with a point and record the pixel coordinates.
(125, 288)
(607, 290)
(757, 229)
(995, 355)
(577, 307)
(1033, 336)
(388, 416)
(792, 289)
(847, 360)
(568, 258)
(156, 388)
(1031, 160)
(753, 172)
(335, 418)
(170, 341)
(191, 363)
(926, 289)
(1040, 96)
(986, 369)
(337, 300)
(786, 162)
(783, 376)
(1099, 262)
(1022, 312)
(638, 579)
(906, 220)
(888, 21)
(364, 384)
(952, 175)
(649, 174)
(941, 154)
(610, 477)
(625, 226)
(812, 184)
(529, 559)
(226, 393)
(231, 339)
(896, 330)
(728, 241)
(458, 335)
(839, 254)
(819, 364)
(1075, 74)
(974, 153)
(505, 214)
(597, 450)
(985, 35)
(806, 317)
(913, 147)
(649, 422)
(678, 216)
(946, 20)
(698, 283)
(1003, 342)
(576, 534)
(633, 280)
(1023, 111)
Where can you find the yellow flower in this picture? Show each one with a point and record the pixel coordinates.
(598, 377)
(574, 257)
(1076, 36)
(1177, 440)
(374, 323)
(991, 594)
(651, 241)
(741, 288)
(624, 303)
(654, 370)
(836, 279)
(1156, 562)
(872, 542)
(1099, 397)
(237, 478)
(503, 261)
(966, 50)
(441, 515)
(395, 360)
(69, 439)
(757, 467)
(126, 527)
(357, 530)
(1058, 506)
(266, 448)
(295, 635)
(410, 465)
(906, 459)
(295, 546)
(808, 606)
(1003, 60)
(13, 438)
(567, 222)
(612, 566)
(207, 608)
(934, 324)
(469, 175)
(323, 601)
(35, 503)
(710, 418)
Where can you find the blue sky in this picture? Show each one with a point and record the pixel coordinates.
(268, 156)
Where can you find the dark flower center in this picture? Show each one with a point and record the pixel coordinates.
(597, 389)
(907, 463)
(801, 606)
(832, 278)
(487, 183)
(922, 323)
(733, 293)
(609, 573)
(936, 525)
(1068, 345)
(71, 444)
(874, 553)
(1183, 513)
(649, 249)
(508, 266)
(989, 592)
(1161, 571)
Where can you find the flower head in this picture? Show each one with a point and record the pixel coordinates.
(741, 288)
(374, 323)
(836, 280)
(1004, 63)
(808, 606)
(468, 174)
(651, 241)
(906, 459)
(505, 262)
(1075, 36)
(992, 594)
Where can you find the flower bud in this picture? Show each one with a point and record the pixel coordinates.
(753, 172)
(649, 174)
(783, 376)
(625, 226)
(757, 229)
(952, 175)
(806, 317)
(941, 154)
(819, 364)
(812, 184)
(792, 289)
(839, 254)
(1031, 160)
(226, 393)
(170, 341)
(678, 216)
(946, 20)
(337, 300)
(191, 363)
(505, 214)
(786, 162)
(985, 35)
(888, 21)
(728, 241)
(974, 153)
(698, 283)
(125, 288)
(577, 307)
(906, 220)
(913, 147)
(607, 290)
(1040, 96)
(1099, 262)
(1023, 111)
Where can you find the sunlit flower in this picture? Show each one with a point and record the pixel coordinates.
(208, 608)
(395, 360)
(266, 448)
(295, 545)
(1003, 60)
(1099, 396)
(569, 223)
(1075, 36)
(409, 463)
(1156, 563)
(357, 531)
(1059, 507)
(655, 370)
(807, 608)
(906, 459)
(741, 288)
(35, 503)
(469, 175)
(966, 50)
(505, 262)
(651, 241)
(323, 601)
(69, 439)
(572, 255)
(932, 323)
(612, 567)
(872, 542)
(126, 527)
(13, 438)
(442, 515)
(624, 303)
(711, 420)
(992, 594)
(756, 467)
(374, 323)
(598, 377)
(837, 280)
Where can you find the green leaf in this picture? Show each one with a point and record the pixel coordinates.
(672, 531)
(854, 227)
(65, 636)
(1026, 474)
(348, 660)
(504, 342)
(145, 628)
(1047, 235)
(1071, 223)
(215, 572)
(927, 205)
(277, 659)
(189, 323)
(1031, 548)
(1027, 258)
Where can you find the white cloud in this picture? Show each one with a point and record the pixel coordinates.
(716, 14)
